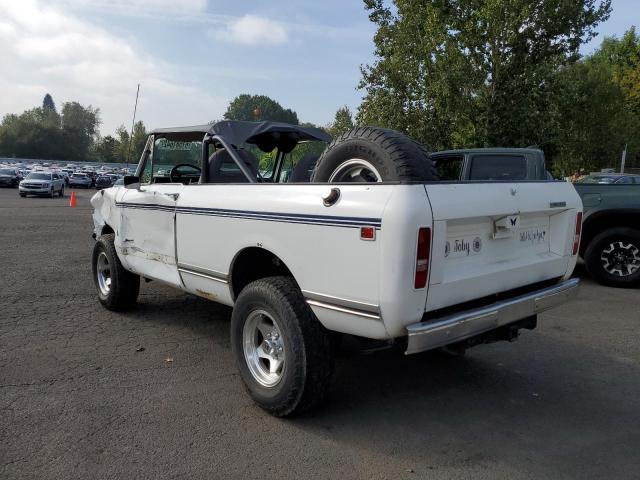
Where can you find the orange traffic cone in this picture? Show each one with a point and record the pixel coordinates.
(72, 201)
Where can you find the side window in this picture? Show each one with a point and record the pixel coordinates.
(498, 167)
(449, 168)
(55, 176)
(625, 180)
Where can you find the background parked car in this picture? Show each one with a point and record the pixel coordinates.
(80, 180)
(609, 178)
(42, 183)
(104, 181)
(9, 177)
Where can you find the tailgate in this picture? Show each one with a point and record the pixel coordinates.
(493, 237)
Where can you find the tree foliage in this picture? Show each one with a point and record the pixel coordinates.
(342, 122)
(472, 72)
(47, 102)
(258, 108)
(72, 135)
(597, 108)
(43, 133)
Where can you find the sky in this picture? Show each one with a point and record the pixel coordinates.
(192, 57)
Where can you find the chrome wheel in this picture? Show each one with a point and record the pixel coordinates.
(103, 272)
(356, 170)
(620, 259)
(263, 348)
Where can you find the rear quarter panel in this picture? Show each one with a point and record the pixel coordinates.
(320, 245)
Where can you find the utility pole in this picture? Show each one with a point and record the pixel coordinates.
(133, 123)
(624, 157)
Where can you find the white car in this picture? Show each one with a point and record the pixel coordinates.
(422, 264)
(42, 183)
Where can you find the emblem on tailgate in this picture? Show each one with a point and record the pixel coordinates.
(505, 226)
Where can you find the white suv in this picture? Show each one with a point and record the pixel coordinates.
(42, 183)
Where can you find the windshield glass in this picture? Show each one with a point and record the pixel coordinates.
(6, 171)
(39, 176)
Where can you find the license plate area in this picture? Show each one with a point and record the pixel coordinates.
(476, 240)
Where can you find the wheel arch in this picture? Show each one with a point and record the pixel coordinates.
(106, 229)
(253, 263)
(602, 220)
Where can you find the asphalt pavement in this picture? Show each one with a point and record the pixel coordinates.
(87, 393)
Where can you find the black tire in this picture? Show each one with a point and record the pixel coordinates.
(53, 192)
(61, 193)
(623, 240)
(308, 347)
(395, 156)
(124, 287)
(23, 195)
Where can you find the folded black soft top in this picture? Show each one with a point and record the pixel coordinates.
(265, 135)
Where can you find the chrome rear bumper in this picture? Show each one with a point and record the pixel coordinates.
(439, 332)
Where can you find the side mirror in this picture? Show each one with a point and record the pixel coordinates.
(131, 180)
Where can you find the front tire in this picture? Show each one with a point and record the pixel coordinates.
(612, 258)
(283, 353)
(117, 288)
(61, 193)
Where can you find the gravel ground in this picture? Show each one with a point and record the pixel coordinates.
(87, 393)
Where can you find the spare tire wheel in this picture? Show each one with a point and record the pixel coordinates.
(371, 154)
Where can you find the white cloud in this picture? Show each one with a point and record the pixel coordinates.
(45, 50)
(252, 30)
(135, 7)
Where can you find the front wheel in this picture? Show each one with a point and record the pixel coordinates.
(61, 193)
(52, 193)
(117, 288)
(613, 257)
(284, 354)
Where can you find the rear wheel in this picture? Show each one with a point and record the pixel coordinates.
(613, 257)
(284, 354)
(371, 154)
(117, 288)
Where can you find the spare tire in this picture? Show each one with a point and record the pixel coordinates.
(372, 154)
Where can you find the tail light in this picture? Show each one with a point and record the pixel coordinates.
(422, 257)
(576, 238)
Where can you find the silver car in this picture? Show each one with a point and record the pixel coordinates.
(42, 183)
(80, 180)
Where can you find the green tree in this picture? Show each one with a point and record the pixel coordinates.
(597, 108)
(342, 122)
(48, 102)
(121, 150)
(138, 141)
(79, 129)
(472, 72)
(259, 108)
(35, 133)
(104, 150)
